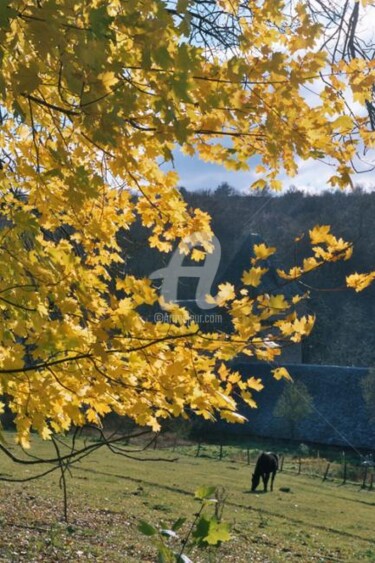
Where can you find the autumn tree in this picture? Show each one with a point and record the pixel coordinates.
(94, 96)
(294, 404)
(343, 25)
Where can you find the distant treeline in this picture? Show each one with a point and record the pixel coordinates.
(344, 333)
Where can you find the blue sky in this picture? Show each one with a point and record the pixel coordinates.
(196, 174)
(312, 176)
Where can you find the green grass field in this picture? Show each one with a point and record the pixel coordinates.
(109, 494)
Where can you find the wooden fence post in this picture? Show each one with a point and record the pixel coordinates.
(326, 472)
(299, 466)
(364, 477)
(156, 440)
(345, 470)
(198, 449)
(248, 456)
(371, 482)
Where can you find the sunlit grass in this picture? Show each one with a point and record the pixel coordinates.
(108, 494)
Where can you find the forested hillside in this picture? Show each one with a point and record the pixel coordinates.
(344, 332)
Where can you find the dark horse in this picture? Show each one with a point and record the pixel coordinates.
(267, 463)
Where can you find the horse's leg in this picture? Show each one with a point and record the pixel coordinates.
(272, 479)
(265, 481)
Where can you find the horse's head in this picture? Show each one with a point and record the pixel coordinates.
(255, 481)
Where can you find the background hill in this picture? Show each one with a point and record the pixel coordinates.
(344, 333)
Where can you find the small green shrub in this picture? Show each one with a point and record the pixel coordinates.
(206, 530)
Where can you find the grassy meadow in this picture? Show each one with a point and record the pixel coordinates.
(108, 495)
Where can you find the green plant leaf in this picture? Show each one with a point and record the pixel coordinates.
(209, 531)
(146, 528)
(165, 555)
(178, 524)
(218, 532)
(205, 492)
(201, 530)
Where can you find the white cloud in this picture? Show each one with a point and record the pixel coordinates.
(312, 177)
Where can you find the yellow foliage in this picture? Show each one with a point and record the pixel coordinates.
(93, 97)
(359, 282)
(254, 383)
(262, 252)
(254, 276)
(226, 293)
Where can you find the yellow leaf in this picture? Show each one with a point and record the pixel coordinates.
(253, 276)
(198, 255)
(344, 123)
(320, 234)
(278, 303)
(262, 252)
(226, 293)
(255, 384)
(281, 373)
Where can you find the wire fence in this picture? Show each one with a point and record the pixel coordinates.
(342, 471)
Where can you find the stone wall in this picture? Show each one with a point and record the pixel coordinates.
(339, 416)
